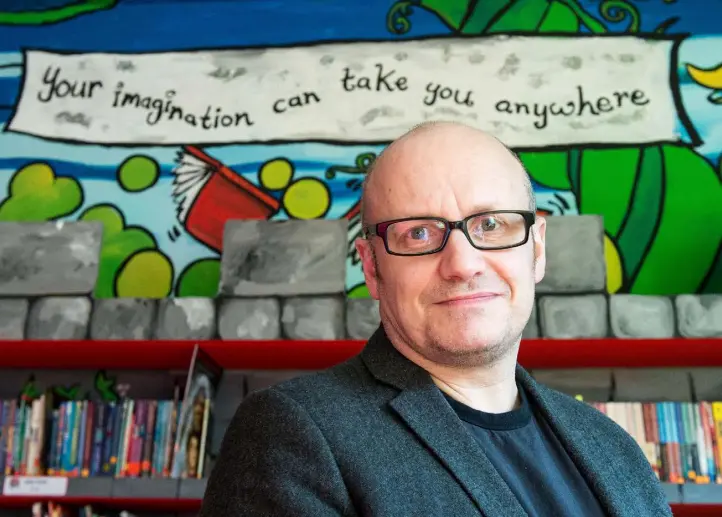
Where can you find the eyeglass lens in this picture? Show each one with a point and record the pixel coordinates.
(487, 231)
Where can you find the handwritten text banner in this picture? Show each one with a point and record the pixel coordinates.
(528, 91)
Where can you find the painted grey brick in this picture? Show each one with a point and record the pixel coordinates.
(186, 318)
(572, 317)
(318, 317)
(123, 318)
(59, 317)
(362, 317)
(531, 330)
(575, 255)
(699, 315)
(284, 258)
(640, 316)
(249, 318)
(13, 317)
(43, 259)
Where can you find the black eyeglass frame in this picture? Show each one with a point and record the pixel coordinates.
(380, 229)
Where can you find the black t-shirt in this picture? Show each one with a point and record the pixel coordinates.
(531, 460)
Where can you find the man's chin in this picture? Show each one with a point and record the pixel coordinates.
(469, 340)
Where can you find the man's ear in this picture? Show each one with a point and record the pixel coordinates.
(368, 265)
(540, 257)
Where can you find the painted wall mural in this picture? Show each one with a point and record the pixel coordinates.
(164, 122)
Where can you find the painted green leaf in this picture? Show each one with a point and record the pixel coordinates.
(56, 14)
(359, 291)
(559, 18)
(638, 228)
(548, 169)
(688, 237)
(119, 243)
(480, 18)
(452, 12)
(607, 178)
(522, 15)
(499, 16)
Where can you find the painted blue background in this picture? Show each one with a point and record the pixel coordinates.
(158, 25)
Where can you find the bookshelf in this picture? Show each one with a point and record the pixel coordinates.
(168, 495)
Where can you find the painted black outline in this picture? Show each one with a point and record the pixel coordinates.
(676, 91)
(470, 8)
(126, 160)
(138, 252)
(676, 40)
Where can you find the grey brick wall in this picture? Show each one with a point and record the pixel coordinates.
(286, 280)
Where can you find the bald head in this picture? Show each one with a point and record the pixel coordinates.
(439, 152)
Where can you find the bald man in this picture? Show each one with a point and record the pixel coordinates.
(435, 417)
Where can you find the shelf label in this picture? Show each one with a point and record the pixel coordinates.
(35, 486)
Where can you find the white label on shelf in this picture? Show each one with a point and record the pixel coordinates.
(35, 485)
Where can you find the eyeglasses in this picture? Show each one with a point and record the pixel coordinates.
(492, 230)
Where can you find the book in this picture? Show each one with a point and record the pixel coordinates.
(204, 376)
(681, 440)
(207, 194)
(129, 437)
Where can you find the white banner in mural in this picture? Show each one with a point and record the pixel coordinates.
(528, 91)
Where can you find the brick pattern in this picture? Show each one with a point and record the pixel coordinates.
(285, 279)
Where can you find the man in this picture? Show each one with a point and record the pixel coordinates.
(435, 417)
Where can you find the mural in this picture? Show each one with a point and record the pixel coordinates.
(132, 114)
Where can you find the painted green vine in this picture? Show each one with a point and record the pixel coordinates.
(476, 17)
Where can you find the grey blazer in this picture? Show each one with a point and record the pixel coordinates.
(374, 437)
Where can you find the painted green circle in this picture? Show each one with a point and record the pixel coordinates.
(201, 278)
(138, 173)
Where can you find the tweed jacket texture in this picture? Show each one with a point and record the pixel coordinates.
(375, 437)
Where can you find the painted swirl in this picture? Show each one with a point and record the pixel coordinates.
(619, 10)
(397, 19)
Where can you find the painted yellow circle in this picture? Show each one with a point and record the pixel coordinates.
(276, 174)
(307, 198)
(147, 274)
(614, 265)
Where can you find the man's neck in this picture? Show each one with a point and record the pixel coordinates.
(480, 391)
(490, 388)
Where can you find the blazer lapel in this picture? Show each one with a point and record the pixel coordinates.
(424, 409)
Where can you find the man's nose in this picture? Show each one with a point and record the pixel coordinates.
(460, 260)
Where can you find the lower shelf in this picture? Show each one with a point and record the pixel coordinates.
(172, 495)
(140, 494)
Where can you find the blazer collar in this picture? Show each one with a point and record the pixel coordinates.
(425, 410)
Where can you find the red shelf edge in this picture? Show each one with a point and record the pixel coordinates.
(192, 505)
(318, 354)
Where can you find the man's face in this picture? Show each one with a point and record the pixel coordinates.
(450, 177)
